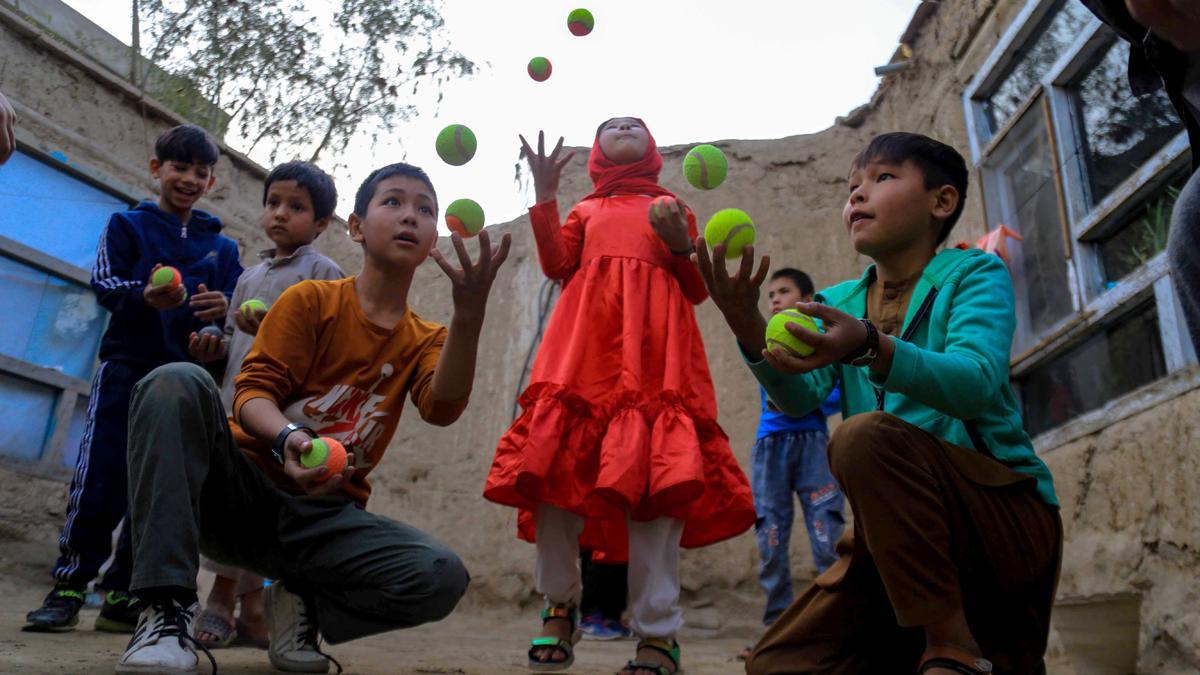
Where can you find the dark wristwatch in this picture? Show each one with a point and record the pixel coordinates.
(277, 446)
(866, 354)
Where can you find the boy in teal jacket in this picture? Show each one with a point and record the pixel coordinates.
(957, 538)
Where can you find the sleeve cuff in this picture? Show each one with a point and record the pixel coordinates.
(902, 374)
(244, 395)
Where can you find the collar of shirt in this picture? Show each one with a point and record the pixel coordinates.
(268, 255)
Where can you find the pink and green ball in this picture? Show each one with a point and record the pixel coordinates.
(540, 68)
(166, 276)
(580, 22)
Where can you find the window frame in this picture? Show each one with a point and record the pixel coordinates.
(69, 389)
(1094, 306)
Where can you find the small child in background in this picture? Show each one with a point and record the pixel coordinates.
(150, 326)
(298, 203)
(789, 458)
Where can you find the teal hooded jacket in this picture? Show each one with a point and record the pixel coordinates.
(949, 375)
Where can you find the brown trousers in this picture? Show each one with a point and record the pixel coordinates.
(936, 527)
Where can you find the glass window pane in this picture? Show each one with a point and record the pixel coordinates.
(1022, 194)
(49, 321)
(52, 211)
(27, 409)
(1062, 25)
(1142, 234)
(1118, 131)
(1114, 361)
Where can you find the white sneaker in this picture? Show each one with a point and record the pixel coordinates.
(162, 642)
(294, 644)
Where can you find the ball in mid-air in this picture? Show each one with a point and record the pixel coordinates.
(464, 217)
(705, 166)
(779, 336)
(580, 22)
(327, 452)
(540, 68)
(456, 144)
(730, 228)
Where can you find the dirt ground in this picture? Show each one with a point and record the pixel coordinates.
(469, 642)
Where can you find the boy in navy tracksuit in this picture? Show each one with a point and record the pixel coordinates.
(150, 327)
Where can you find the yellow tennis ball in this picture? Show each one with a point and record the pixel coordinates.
(252, 305)
(731, 228)
(779, 336)
(705, 166)
(456, 144)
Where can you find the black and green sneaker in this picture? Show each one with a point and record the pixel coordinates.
(59, 612)
(119, 613)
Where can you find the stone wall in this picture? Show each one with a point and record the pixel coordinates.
(71, 108)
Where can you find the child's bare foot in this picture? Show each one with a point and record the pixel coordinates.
(214, 626)
(252, 628)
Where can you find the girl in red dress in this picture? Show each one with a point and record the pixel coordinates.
(618, 445)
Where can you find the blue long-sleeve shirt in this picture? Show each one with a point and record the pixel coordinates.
(774, 421)
(131, 244)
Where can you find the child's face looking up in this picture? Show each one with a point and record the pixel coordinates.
(288, 217)
(400, 226)
(624, 140)
(889, 209)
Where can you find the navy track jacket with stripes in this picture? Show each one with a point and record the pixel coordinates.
(132, 243)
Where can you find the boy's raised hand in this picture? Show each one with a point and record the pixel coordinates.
(163, 297)
(736, 296)
(842, 335)
(249, 324)
(472, 283)
(546, 169)
(208, 305)
(206, 348)
(293, 447)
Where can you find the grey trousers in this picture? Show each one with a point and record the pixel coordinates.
(1184, 254)
(191, 490)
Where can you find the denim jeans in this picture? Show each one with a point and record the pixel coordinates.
(783, 464)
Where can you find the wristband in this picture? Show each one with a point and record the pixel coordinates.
(277, 446)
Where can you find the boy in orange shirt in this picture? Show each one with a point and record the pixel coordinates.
(332, 358)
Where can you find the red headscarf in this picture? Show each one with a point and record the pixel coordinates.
(636, 178)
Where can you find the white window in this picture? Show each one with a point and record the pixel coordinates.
(1087, 174)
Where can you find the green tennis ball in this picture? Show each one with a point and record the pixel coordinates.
(252, 305)
(166, 276)
(456, 145)
(327, 452)
(540, 68)
(580, 22)
(779, 336)
(465, 217)
(731, 228)
(705, 166)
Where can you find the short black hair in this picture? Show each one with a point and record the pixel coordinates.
(940, 163)
(186, 143)
(320, 186)
(367, 190)
(803, 282)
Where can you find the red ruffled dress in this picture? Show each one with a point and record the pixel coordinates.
(620, 413)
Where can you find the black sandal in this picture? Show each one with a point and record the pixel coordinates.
(569, 613)
(668, 649)
(954, 658)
